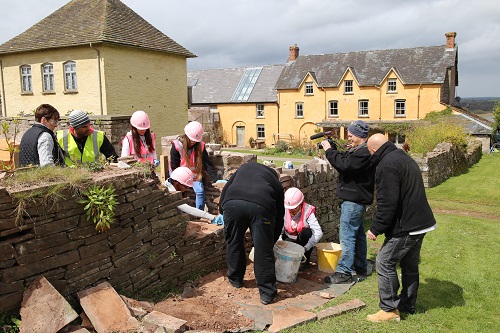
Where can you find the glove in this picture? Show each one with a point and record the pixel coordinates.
(156, 163)
(218, 220)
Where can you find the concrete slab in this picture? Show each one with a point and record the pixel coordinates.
(43, 309)
(340, 309)
(290, 317)
(159, 322)
(106, 310)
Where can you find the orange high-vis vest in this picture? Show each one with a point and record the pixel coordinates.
(306, 211)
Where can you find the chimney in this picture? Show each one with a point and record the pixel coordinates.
(294, 53)
(450, 39)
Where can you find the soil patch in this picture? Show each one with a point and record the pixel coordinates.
(211, 303)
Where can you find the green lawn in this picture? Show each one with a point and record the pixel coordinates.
(459, 270)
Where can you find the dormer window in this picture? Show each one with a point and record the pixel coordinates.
(392, 86)
(309, 88)
(348, 87)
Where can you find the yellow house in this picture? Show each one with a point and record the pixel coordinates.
(243, 99)
(101, 57)
(378, 87)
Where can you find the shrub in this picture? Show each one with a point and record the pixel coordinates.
(281, 146)
(424, 138)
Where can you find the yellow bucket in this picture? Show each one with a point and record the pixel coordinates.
(328, 256)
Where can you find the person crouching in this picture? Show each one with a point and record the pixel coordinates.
(301, 225)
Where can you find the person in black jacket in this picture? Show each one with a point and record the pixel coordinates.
(39, 144)
(404, 216)
(355, 189)
(253, 198)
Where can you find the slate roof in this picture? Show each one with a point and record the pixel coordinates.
(419, 65)
(81, 22)
(217, 86)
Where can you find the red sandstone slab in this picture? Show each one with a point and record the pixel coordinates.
(106, 310)
(43, 309)
(290, 317)
(340, 309)
(159, 322)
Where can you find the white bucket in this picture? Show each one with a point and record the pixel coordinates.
(288, 257)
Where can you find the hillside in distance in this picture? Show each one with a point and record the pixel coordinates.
(474, 104)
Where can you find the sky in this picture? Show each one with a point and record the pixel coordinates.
(236, 33)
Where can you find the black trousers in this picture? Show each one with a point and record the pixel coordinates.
(239, 215)
(302, 239)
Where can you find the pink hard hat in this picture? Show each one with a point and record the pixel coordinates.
(140, 120)
(194, 131)
(293, 198)
(183, 175)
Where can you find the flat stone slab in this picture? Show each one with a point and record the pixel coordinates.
(340, 309)
(106, 310)
(44, 309)
(160, 322)
(290, 317)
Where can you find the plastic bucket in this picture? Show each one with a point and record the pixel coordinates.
(288, 257)
(328, 256)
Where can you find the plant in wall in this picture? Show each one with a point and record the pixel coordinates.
(12, 148)
(100, 205)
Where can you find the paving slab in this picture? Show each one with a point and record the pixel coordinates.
(290, 317)
(44, 309)
(159, 322)
(340, 309)
(106, 310)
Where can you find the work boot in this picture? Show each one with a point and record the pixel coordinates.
(339, 278)
(236, 284)
(382, 316)
(305, 265)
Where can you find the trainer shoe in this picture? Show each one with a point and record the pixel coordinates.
(382, 316)
(236, 284)
(339, 278)
(266, 300)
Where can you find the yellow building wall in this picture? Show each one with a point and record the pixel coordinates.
(233, 115)
(86, 99)
(420, 100)
(154, 82)
(131, 79)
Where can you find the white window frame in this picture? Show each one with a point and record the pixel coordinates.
(259, 111)
(299, 110)
(400, 108)
(48, 78)
(261, 131)
(348, 87)
(333, 109)
(26, 79)
(70, 82)
(392, 86)
(363, 108)
(309, 88)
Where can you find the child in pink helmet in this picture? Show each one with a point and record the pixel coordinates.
(301, 225)
(140, 141)
(188, 150)
(180, 180)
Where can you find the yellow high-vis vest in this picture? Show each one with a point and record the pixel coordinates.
(90, 151)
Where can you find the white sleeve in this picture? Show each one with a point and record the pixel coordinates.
(195, 212)
(45, 146)
(317, 233)
(125, 147)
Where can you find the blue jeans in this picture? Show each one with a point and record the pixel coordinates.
(199, 190)
(404, 250)
(352, 238)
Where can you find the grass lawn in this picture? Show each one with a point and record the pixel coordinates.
(459, 270)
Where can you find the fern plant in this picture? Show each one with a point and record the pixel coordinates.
(100, 205)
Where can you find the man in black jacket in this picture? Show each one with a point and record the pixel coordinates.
(253, 198)
(404, 216)
(355, 188)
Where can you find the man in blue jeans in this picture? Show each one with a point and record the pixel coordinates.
(355, 188)
(404, 216)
